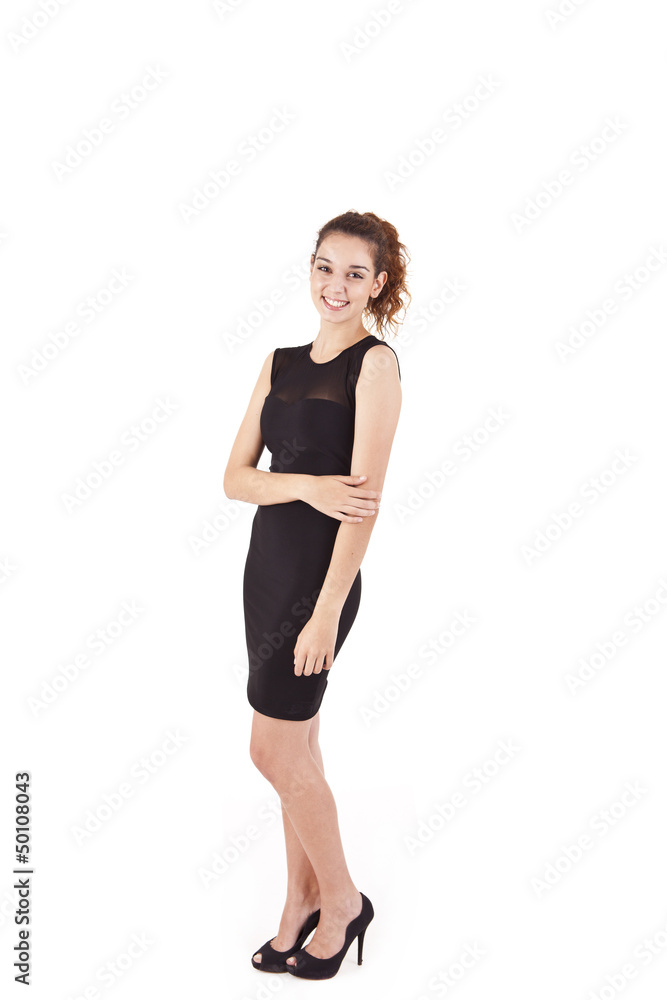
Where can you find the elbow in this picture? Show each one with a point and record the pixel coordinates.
(228, 485)
(236, 484)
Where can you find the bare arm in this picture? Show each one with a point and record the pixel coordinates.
(243, 480)
(337, 496)
(378, 404)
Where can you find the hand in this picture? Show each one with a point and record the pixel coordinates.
(314, 643)
(341, 497)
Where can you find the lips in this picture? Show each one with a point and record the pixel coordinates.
(334, 304)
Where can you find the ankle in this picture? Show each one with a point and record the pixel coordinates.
(304, 897)
(342, 904)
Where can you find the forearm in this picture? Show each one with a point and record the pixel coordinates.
(348, 552)
(256, 486)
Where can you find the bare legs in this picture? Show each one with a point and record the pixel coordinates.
(288, 755)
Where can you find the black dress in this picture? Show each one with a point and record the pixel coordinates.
(307, 423)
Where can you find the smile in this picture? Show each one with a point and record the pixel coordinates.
(335, 303)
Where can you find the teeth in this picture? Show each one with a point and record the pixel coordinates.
(335, 302)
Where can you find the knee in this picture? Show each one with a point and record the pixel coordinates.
(267, 759)
(260, 756)
(284, 770)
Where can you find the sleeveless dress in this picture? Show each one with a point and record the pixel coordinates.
(307, 423)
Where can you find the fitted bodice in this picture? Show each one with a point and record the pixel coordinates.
(307, 421)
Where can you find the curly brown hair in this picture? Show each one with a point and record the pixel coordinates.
(387, 253)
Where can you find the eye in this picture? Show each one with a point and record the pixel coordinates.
(323, 267)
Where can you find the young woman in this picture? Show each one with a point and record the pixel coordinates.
(327, 411)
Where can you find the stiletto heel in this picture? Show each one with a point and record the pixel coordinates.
(310, 967)
(274, 961)
(360, 946)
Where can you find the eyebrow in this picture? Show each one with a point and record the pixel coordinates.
(357, 267)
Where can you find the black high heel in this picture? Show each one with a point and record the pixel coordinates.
(274, 961)
(310, 967)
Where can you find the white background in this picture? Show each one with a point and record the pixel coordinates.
(361, 98)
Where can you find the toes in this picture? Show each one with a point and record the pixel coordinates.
(258, 956)
(291, 960)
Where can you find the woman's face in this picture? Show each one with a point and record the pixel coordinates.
(341, 279)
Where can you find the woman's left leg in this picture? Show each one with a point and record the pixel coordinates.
(280, 750)
(303, 892)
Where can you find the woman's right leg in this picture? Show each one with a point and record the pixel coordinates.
(303, 893)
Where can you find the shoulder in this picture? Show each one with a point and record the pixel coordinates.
(285, 359)
(289, 352)
(379, 361)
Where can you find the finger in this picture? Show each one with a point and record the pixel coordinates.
(343, 516)
(367, 494)
(361, 506)
(355, 515)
